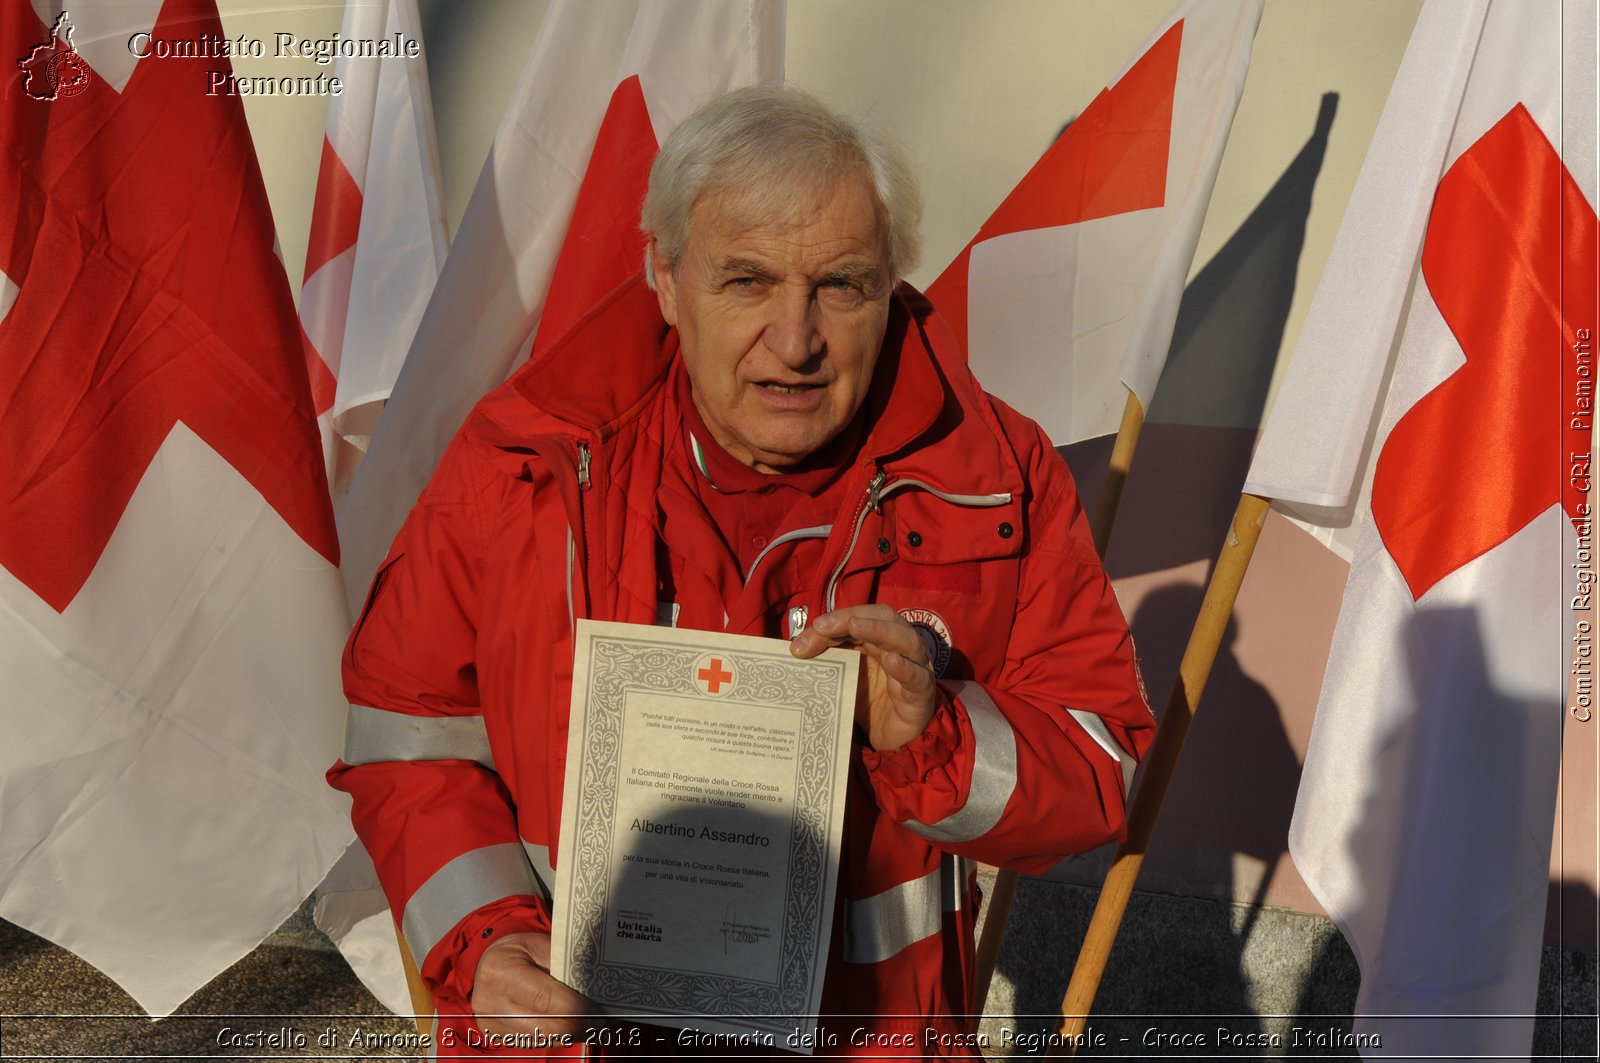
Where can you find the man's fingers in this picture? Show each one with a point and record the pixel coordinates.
(914, 675)
(516, 993)
(860, 625)
(898, 694)
(539, 946)
(540, 1004)
(893, 636)
(825, 631)
(838, 618)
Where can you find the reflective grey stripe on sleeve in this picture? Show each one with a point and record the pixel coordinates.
(878, 927)
(374, 735)
(1102, 737)
(460, 888)
(539, 859)
(994, 771)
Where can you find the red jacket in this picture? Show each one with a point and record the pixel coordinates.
(547, 505)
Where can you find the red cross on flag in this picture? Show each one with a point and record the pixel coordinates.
(1452, 337)
(1074, 282)
(170, 612)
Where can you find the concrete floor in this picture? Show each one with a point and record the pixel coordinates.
(1180, 966)
(1184, 966)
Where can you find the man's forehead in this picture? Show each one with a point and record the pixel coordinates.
(839, 215)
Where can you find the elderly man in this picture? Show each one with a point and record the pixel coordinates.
(766, 434)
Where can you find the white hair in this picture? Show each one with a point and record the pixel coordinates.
(778, 151)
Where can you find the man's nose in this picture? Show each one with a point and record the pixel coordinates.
(792, 331)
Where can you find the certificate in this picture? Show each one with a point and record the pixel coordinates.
(700, 827)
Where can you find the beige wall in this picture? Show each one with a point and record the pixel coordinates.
(976, 91)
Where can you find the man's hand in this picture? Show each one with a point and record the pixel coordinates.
(900, 694)
(514, 991)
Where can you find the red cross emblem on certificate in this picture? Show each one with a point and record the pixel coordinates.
(714, 675)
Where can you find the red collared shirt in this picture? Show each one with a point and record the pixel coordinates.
(729, 514)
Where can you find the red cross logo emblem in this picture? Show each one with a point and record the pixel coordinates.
(714, 675)
(1509, 259)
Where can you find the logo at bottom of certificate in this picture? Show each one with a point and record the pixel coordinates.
(636, 926)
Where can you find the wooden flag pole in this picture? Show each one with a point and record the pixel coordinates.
(1160, 765)
(421, 999)
(1105, 516)
(997, 909)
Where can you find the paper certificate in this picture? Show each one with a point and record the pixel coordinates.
(700, 826)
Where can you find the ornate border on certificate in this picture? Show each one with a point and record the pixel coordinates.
(776, 681)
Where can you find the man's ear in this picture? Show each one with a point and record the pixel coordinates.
(666, 284)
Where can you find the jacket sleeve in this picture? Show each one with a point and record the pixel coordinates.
(437, 820)
(1033, 762)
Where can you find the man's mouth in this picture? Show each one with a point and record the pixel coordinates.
(788, 389)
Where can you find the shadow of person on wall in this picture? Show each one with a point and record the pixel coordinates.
(1234, 790)
(1177, 967)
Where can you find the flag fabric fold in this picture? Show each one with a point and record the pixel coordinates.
(1074, 282)
(170, 607)
(551, 226)
(1437, 419)
(376, 245)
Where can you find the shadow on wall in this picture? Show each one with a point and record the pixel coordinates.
(1237, 783)
(1572, 914)
(1188, 963)
(1231, 321)
(1202, 424)
(1234, 790)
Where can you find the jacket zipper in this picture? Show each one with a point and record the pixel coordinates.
(583, 488)
(877, 490)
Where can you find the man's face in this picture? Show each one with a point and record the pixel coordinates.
(780, 321)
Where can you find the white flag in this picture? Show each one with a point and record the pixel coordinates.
(1442, 394)
(603, 84)
(170, 610)
(378, 233)
(1075, 280)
